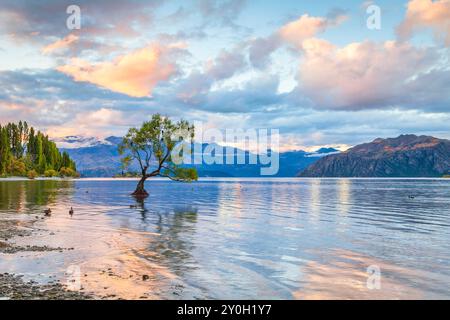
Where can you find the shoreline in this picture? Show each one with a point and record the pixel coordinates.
(12, 179)
(12, 286)
(37, 179)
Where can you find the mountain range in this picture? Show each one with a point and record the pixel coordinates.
(404, 156)
(100, 158)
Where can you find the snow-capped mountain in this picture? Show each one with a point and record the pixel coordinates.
(74, 142)
(322, 152)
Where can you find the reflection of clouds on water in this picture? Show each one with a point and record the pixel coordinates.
(343, 275)
(107, 251)
(176, 231)
(315, 201)
(256, 238)
(231, 207)
(344, 203)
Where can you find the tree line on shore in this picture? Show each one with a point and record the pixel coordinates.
(27, 152)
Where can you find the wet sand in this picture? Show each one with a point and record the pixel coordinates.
(13, 286)
(110, 276)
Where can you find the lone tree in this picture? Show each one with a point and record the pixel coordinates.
(153, 146)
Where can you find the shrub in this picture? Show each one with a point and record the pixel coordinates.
(68, 172)
(50, 173)
(17, 168)
(32, 174)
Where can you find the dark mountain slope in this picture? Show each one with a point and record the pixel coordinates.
(404, 156)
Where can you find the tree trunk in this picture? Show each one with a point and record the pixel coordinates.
(140, 190)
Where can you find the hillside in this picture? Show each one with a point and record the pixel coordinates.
(404, 156)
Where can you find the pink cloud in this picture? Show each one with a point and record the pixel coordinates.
(60, 44)
(422, 14)
(360, 75)
(98, 123)
(135, 74)
(292, 34)
(305, 27)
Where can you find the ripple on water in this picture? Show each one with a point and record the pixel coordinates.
(248, 238)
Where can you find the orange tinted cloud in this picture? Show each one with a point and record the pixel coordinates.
(134, 74)
(305, 27)
(60, 44)
(427, 14)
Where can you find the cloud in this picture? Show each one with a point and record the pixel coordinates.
(297, 31)
(423, 14)
(222, 13)
(366, 75)
(260, 50)
(48, 17)
(54, 103)
(105, 25)
(134, 74)
(226, 64)
(293, 34)
(63, 43)
(343, 93)
(197, 84)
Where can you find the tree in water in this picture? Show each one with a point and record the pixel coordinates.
(152, 146)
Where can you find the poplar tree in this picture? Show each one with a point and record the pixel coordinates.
(23, 149)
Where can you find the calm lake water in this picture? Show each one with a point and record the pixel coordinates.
(238, 238)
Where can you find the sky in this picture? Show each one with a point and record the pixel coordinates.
(324, 73)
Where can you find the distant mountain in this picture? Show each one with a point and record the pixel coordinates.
(94, 158)
(289, 164)
(73, 142)
(404, 156)
(327, 151)
(100, 158)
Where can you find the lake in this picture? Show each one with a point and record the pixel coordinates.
(237, 238)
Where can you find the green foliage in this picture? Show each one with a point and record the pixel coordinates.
(181, 174)
(68, 173)
(50, 173)
(23, 150)
(151, 146)
(32, 174)
(17, 167)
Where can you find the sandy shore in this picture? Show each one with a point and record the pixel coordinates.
(13, 286)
